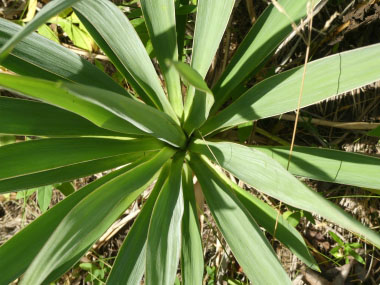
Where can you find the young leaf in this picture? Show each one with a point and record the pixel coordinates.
(202, 101)
(243, 235)
(272, 179)
(326, 77)
(72, 235)
(44, 195)
(163, 249)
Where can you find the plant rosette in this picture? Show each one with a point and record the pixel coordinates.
(85, 123)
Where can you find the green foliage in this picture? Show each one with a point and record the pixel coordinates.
(83, 122)
(345, 250)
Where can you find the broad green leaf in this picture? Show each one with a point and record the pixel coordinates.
(211, 22)
(248, 244)
(79, 37)
(49, 10)
(329, 165)
(44, 195)
(49, 161)
(266, 217)
(25, 117)
(18, 252)
(270, 29)
(48, 33)
(268, 176)
(192, 263)
(279, 94)
(202, 101)
(104, 108)
(117, 35)
(57, 62)
(129, 266)
(164, 236)
(91, 217)
(160, 20)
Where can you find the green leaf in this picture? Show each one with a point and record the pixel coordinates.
(44, 195)
(212, 20)
(248, 244)
(129, 265)
(25, 59)
(18, 252)
(79, 37)
(72, 235)
(105, 109)
(49, 10)
(266, 217)
(329, 165)
(279, 94)
(25, 117)
(268, 176)
(192, 263)
(48, 33)
(270, 29)
(164, 236)
(107, 24)
(202, 101)
(160, 20)
(66, 188)
(47, 161)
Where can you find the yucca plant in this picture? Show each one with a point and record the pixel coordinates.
(83, 122)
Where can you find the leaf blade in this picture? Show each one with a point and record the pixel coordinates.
(240, 230)
(279, 94)
(272, 179)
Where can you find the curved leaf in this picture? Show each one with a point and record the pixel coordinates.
(249, 245)
(57, 62)
(104, 108)
(114, 28)
(72, 235)
(279, 94)
(268, 176)
(25, 117)
(329, 165)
